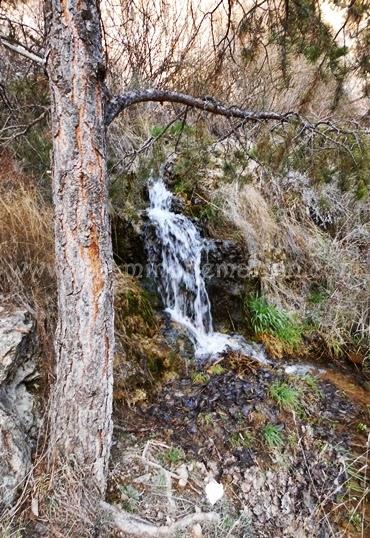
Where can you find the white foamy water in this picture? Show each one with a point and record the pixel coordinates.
(178, 249)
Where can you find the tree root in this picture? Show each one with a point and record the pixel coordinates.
(136, 526)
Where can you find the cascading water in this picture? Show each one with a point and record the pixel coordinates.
(175, 260)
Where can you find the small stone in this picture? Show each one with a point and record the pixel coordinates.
(196, 531)
(183, 474)
(214, 491)
(35, 506)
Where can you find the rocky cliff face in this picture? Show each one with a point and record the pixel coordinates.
(227, 276)
(18, 407)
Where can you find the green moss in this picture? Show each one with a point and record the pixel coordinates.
(205, 419)
(318, 294)
(244, 439)
(199, 378)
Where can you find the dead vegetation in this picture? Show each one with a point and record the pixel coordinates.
(26, 240)
(320, 275)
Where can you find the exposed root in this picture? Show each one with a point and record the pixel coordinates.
(136, 526)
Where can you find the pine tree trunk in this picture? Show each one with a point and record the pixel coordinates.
(80, 416)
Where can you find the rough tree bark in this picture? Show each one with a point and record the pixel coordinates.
(80, 415)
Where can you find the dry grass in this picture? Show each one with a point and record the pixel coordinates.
(27, 276)
(247, 209)
(26, 242)
(292, 256)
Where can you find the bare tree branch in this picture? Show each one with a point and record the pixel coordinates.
(208, 104)
(24, 128)
(20, 49)
(119, 103)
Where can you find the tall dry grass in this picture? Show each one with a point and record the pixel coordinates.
(27, 276)
(26, 242)
(293, 258)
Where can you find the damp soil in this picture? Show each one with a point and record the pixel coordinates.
(311, 480)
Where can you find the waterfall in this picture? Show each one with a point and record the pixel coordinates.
(175, 260)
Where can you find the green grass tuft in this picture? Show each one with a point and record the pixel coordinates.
(199, 378)
(174, 455)
(267, 318)
(273, 436)
(285, 396)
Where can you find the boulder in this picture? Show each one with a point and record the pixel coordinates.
(16, 332)
(18, 416)
(15, 457)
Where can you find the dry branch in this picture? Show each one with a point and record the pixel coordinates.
(136, 526)
(208, 104)
(23, 51)
(120, 102)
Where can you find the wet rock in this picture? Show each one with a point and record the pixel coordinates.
(168, 170)
(177, 338)
(225, 268)
(128, 245)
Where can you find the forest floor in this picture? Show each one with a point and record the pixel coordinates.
(291, 452)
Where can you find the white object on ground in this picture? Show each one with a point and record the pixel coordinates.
(214, 492)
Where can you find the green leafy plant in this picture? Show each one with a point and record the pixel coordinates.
(361, 427)
(265, 317)
(209, 212)
(273, 436)
(130, 497)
